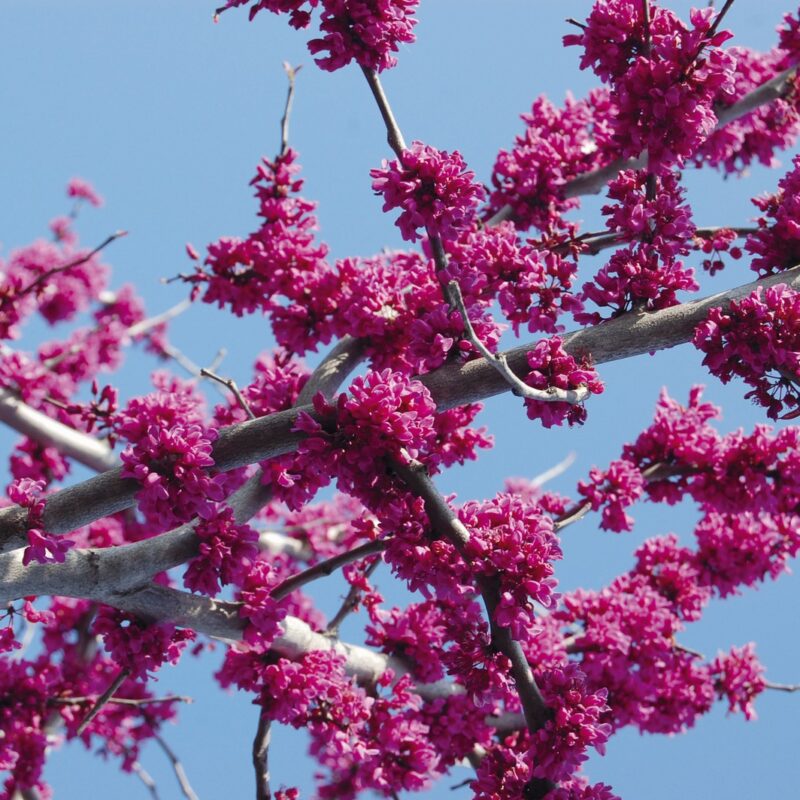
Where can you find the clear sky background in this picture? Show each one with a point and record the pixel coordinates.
(168, 114)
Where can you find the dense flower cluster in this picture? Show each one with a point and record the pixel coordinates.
(42, 547)
(365, 31)
(514, 542)
(558, 144)
(739, 678)
(552, 367)
(757, 339)
(776, 243)
(666, 76)
(613, 490)
(650, 215)
(169, 453)
(433, 188)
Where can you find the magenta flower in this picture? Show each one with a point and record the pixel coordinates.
(433, 188)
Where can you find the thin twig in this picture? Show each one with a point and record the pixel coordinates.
(782, 687)
(499, 362)
(444, 521)
(103, 699)
(261, 757)
(350, 602)
(177, 768)
(327, 567)
(393, 133)
(146, 778)
(148, 324)
(557, 469)
(75, 263)
(231, 385)
(123, 701)
(291, 73)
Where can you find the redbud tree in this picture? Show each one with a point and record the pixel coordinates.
(142, 528)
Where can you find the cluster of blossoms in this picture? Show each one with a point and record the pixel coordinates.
(433, 188)
(553, 368)
(529, 181)
(757, 339)
(714, 244)
(42, 547)
(365, 31)
(649, 213)
(776, 243)
(169, 453)
(666, 77)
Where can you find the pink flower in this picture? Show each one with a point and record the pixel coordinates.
(739, 678)
(83, 190)
(364, 31)
(433, 188)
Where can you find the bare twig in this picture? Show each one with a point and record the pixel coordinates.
(231, 385)
(393, 133)
(782, 687)
(499, 363)
(291, 73)
(146, 778)
(102, 700)
(261, 756)
(350, 602)
(122, 701)
(328, 567)
(557, 469)
(146, 325)
(177, 768)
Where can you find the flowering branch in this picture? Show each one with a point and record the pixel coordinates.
(451, 385)
(444, 520)
(500, 364)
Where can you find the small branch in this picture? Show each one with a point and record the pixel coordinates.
(122, 701)
(557, 469)
(327, 567)
(146, 778)
(718, 19)
(393, 134)
(75, 263)
(146, 325)
(350, 602)
(499, 363)
(231, 385)
(444, 520)
(102, 700)
(261, 756)
(291, 73)
(782, 687)
(177, 768)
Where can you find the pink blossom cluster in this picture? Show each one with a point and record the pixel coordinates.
(776, 243)
(612, 490)
(42, 547)
(137, 646)
(666, 77)
(368, 32)
(558, 144)
(649, 213)
(757, 339)
(512, 542)
(226, 551)
(714, 245)
(739, 677)
(532, 283)
(553, 368)
(278, 268)
(433, 188)
(169, 453)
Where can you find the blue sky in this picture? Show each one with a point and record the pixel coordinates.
(167, 114)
